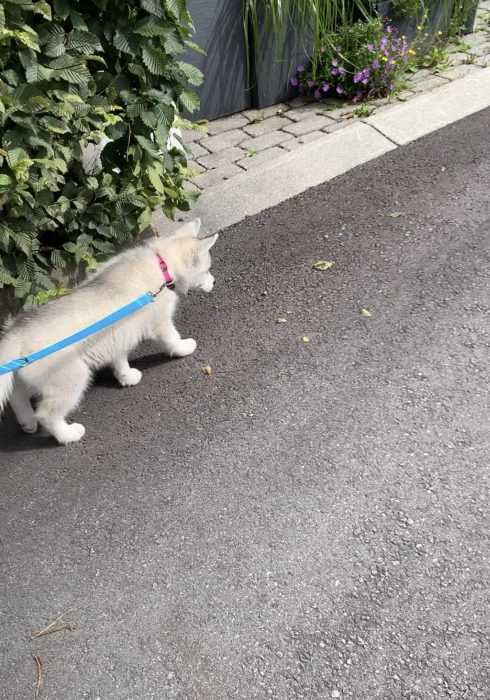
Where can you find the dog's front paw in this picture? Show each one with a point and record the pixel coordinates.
(70, 433)
(130, 378)
(184, 347)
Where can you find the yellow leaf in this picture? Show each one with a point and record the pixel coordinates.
(323, 265)
(366, 313)
(305, 339)
(206, 369)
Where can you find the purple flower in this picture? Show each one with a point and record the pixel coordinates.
(389, 29)
(357, 77)
(365, 81)
(383, 43)
(340, 90)
(341, 70)
(334, 63)
(310, 83)
(317, 95)
(294, 82)
(325, 87)
(322, 49)
(370, 48)
(375, 64)
(335, 71)
(300, 69)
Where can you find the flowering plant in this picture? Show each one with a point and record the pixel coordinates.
(362, 60)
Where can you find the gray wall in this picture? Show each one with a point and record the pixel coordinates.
(219, 32)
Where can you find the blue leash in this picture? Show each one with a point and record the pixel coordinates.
(135, 305)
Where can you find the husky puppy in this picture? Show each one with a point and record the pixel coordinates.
(59, 381)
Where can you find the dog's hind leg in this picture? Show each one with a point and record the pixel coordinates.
(21, 406)
(61, 396)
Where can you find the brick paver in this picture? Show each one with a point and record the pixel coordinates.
(266, 125)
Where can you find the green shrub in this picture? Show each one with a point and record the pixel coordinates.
(73, 73)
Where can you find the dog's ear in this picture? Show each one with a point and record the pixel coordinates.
(208, 243)
(191, 228)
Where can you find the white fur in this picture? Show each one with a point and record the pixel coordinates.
(60, 380)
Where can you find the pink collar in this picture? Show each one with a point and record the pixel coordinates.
(169, 280)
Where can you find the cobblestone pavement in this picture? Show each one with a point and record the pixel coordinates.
(241, 142)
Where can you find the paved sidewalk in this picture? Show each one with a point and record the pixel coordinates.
(250, 140)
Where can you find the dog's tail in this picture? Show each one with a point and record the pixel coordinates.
(10, 349)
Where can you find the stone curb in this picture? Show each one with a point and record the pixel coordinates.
(336, 153)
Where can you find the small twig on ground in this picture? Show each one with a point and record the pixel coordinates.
(56, 626)
(40, 676)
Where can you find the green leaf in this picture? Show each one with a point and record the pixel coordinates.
(62, 8)
(193, 74)
(55, 41)
(154, 173)
(177, 7)
(144, 219)
(138, 70)
(14, 155)
(5, 277)
(365, 313)
(83, 42)
(77, 74)
(154, 7)
(23, 241)
(4, 237)
(149, 26)
(42, 8)
(78, 21)
(11, 77)
(147, 145)
(55, 125)
(195, 47)
(123, 43)
(5, 182)
(154, 59)
(27, 38)
(136, 109)
(37, 73)
(57, 259)
(189, 100)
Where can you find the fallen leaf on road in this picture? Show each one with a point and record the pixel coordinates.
(305, 339)
(323, 265)
(395, 214)
(206, 369)
(366, 313)
(281, 319)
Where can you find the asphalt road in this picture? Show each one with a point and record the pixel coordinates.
(309, 521)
